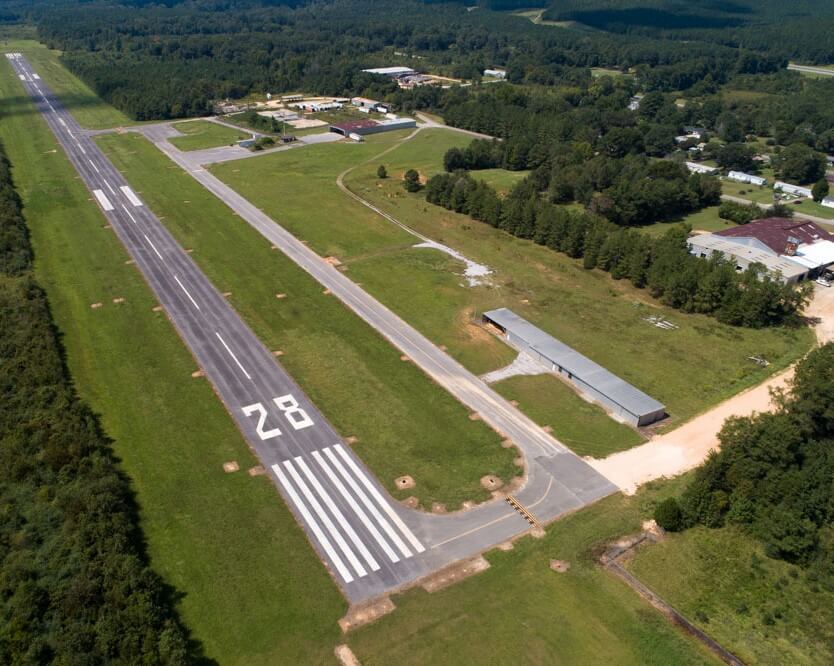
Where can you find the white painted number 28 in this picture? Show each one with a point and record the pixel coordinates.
(289, 407)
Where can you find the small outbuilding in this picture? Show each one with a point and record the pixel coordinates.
(620, 398)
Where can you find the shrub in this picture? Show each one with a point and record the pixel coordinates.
(669, 516)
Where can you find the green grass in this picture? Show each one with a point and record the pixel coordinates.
(750, 192)
(703, 220)
(200, 134)
(226, 542)
(87, 108)
(690, 369)
(603, 71)
(521, 612)
(722, 581)
(810, 207)
(404, 422)
(501, 179)
(582, 426)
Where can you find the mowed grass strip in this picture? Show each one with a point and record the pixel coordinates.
(405, 424)
(521, 612)
(253, 591)
(688, 369)
(86, 107)
(765, 611)
(200, 134)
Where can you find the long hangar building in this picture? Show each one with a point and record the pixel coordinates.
(618, 396)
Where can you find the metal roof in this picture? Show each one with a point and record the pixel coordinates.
(390, 71)
(594, 375)
(775, 232)
(730, 247)
(352, 125)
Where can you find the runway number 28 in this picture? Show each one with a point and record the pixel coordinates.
(297, 417)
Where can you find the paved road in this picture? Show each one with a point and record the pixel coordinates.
(369, 542)
(810, 69)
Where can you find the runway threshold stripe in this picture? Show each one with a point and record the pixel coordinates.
(356, 508)
(131, 195)
(232, 354)
(22, 78)
(186, 292)
(153, 247)
(415, 542)
(328, 524)
(340, 518)
(313, 525)
(386, 526)
(36, 77)
(103, 201)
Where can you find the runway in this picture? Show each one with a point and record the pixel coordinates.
(368, 541)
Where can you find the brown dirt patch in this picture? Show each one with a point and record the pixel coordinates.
(491, 482)
(326, 292)
(278, 352)
(547, 428)
(231, 466)
(507, 443)
(345, 656)
(96, 306)
(438, 507)
(227, 293)
(452, 574)
(351, 440)
(404, 482)
(405, 358)
(118, 300)
(280, 296)
(506, 545)
(257, 470)
(411, 502)
(559, 566)
(129, 262)
(158, 308)
(474, 416)
(333, 261)
(366, 613)
(198, 373)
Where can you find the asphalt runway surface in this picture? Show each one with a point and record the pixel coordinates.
(369, 542)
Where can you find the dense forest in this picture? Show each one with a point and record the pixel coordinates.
(76, 587)
(773, 474)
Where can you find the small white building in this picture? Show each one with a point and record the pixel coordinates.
(796, 190)
(828, 202)
(749, 178)
(495, 73)
(364, 102)
(696, 167)
(393, 72)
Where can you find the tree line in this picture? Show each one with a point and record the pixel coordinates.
(76, 586)
(661, 265)
(773, 474)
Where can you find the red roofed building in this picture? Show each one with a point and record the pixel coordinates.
(777, 233)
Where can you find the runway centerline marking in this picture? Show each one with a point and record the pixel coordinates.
(232, 354)
(356, 508)
(379, 498)
(328, 524)
(94, 166)
(314, 526)
(186, 292)
(386, 526)
(132, 219)
(153, 246)
(340, 518)
(109, 187)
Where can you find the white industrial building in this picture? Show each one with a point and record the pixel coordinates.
(749, 178)
(393, 72)
(620, 398)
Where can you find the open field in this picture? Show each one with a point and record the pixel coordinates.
(501, 179)
(521, 612)
(201, 134)
(89, 109)
(755, 193)
(582, 426)
(703, 220)
(405, 424)
(689, 369)
(225, 542)
(810, 207)
(765, 611)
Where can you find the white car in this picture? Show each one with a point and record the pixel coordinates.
(823, 282)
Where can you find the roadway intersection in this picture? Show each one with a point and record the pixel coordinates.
(370, 543)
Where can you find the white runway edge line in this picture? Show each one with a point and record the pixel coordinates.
(186, 292)
(103, 201)
(232, 354)
(328, 524)
(379, 498)
(340, 518)
(334, 479)
(153, 247)
(131, 195)
(386, 526)
(313, 525)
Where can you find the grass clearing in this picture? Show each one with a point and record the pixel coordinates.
(689, 369)
(405, 423)
(810, 207)
(87, 108)
(521, 612)
(703, 220)
(226, 542)
(763, 195)
(200, 134)
(582, 426)
(765, 611)
(501, 179)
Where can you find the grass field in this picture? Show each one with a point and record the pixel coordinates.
(404, 422)
(87, 108)
(501, 179)
(810, 207)
(755, 193)
(703, 220)
(200, 134)
(688, 369)
(521, 612)
(226, 542)
(765, 611)
(584, 427)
